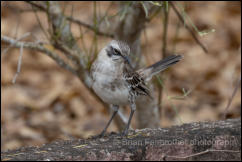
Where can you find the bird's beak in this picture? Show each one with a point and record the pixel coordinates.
(127, 59)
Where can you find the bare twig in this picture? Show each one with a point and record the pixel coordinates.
(106, 13)
(40, 48)
(164, 53)
(187, 27)
(40, 24)
(37, 5)
(70, 54)
(98, 32)
(13, 43)
(19, 64)
(175, 37)
(231, 98)
(43, 8)
(166, 14)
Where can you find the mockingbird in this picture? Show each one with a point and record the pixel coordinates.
(117, 83)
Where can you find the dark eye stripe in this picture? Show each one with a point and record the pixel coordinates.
(109, 53)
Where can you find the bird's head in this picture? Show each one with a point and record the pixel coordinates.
(117, 52)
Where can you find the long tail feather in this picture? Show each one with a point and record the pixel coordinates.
(161, 65)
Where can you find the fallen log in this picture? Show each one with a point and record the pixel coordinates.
(220, 140)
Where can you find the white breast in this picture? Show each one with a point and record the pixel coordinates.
(109, 84)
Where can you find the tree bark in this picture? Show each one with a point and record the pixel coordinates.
(220, 140)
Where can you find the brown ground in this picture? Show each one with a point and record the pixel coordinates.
(49, 103)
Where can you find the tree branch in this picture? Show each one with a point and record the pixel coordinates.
(92, 28)
(38, 47)
(95, 30)
(232, 96)
(187, 27)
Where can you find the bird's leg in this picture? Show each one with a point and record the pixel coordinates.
(133, 108)
(115, 110)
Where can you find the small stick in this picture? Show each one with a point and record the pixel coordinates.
(19, 63)
(188, 28)
(14, 42)
(231, 98)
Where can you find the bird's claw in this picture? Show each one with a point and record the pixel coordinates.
(98, 135)
(124, 133)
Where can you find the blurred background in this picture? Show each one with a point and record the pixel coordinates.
(49, 103)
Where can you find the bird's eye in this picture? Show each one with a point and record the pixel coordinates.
(116, 52)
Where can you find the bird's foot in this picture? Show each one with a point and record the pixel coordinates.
(124, 133)
(99, 135)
